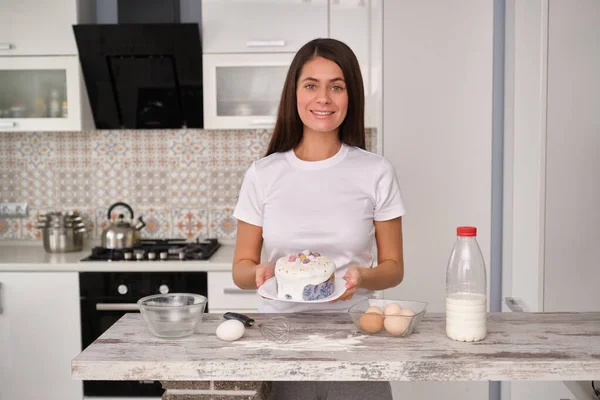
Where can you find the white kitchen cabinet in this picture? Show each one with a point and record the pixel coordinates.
(248, 46)
(42, 94)
(224, 295)
(255, 26)
(572, 164)
(551, 155)
(39, 335)
(242, 91)
(32, 27)
(350, 21)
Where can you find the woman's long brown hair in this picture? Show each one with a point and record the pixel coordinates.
(289, 127)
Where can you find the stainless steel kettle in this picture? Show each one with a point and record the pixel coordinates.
(121, 234)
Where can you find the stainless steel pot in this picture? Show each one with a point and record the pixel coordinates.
(62, 240)
(121, 234)
(62, 232)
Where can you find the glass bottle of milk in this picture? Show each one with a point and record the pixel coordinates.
(466, 289)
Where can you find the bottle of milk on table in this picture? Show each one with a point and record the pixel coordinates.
(466, 289)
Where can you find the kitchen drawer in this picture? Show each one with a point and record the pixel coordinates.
(252, 26)
(39, 338)
(224, 295)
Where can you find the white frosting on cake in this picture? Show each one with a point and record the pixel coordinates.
(296, 271)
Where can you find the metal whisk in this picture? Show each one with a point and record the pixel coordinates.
(275, 329)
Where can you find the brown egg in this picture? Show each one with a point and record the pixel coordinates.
(397, 324)
(372, 320)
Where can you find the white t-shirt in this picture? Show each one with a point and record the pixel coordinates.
(325, 206)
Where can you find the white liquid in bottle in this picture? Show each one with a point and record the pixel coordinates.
(466, 318)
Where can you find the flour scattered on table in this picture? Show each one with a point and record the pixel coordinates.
(312, 343)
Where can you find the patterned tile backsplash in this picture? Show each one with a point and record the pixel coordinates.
(184, 182)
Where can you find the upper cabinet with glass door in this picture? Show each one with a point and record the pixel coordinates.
(41, 94)
(33, 27)
(40, 85)
(242, 91)
(258, 26)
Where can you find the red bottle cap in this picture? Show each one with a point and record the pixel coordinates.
(466, 231)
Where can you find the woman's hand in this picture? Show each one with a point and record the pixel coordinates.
(353, 278)
(264, 271)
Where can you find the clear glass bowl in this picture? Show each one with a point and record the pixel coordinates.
(172, 315)
(390, 325)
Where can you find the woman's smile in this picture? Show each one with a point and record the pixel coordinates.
(322, 114)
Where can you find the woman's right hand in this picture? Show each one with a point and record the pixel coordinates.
(264, 271)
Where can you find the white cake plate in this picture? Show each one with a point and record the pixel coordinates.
(268, 290)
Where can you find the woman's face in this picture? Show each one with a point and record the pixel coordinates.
(321, 95)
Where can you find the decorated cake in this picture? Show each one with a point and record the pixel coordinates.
(304, 276)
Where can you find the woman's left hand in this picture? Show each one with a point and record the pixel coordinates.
(353, 278)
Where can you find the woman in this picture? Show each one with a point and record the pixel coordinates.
(317, 188)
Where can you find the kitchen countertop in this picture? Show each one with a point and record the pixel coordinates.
(21, 256)
(519, 347)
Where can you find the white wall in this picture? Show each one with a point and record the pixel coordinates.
(437, 131)
(437, 89)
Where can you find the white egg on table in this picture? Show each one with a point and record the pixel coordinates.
(397, 324)
(230, 330)
(393, 309)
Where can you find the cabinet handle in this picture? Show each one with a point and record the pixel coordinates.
(265, 121)
(5, 46)
(0, 298)
(7, 124)
(117, 307)
(265, 43)
(238, 291)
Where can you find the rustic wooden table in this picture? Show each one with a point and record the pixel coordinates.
(518, 347)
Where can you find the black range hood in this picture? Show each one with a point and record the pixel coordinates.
(142, 76)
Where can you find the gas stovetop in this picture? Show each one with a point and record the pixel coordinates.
(158, 250)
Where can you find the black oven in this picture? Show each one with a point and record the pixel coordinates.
(107, 296)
